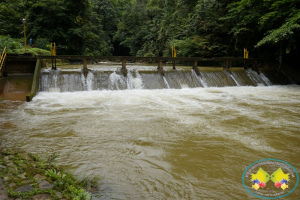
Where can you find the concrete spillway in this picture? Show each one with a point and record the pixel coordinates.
(22, 78)
(66, 80)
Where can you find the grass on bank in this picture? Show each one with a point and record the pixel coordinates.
(33, 51)
(19, 168)
(16, 46)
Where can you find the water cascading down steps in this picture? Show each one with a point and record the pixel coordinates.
(75, 80)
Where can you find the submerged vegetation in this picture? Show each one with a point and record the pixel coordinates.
(26, 175)
(204, 28)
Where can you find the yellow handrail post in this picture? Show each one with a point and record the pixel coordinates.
(53, 49)
(53, 53)
(24, 26)
(173, 56)
(246, 56)
(2, 59)
(246, 53)
(25, 38)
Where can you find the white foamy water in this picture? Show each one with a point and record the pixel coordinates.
(161, 144)
(166, 82)
(199, 78)
(134, 82)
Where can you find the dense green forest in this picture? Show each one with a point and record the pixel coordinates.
(204, 28)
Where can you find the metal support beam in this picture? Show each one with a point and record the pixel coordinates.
(85, 69)
(160, 68)
(124, 69)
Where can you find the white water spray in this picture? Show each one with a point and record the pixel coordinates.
(137, 82)
(89, 81)
(55, 79)
(115, 80)
(166, 82)
(265, 79)
(199, 79)
(235, 81)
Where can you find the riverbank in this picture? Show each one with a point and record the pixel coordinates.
(27, 176)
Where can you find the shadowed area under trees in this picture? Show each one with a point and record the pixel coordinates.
(204, 28)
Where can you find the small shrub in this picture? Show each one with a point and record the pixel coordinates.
(42, 43)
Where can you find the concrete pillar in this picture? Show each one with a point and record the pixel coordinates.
(54, 64)
(85, 69)
(174, 63)
(160, 68)
(124, 70)
(195, 67)
(226, 67)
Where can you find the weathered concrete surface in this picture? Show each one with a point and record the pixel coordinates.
(3, 193)
(17, 77)
(19, 65)
(16, 87)
(18, 83)
(36, 81)
(2, 84)
(14, 96)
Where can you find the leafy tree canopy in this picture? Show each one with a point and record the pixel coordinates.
(204, 28)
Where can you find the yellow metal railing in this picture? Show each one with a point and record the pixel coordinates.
(53, 49)
(2, 58)
(246, 53)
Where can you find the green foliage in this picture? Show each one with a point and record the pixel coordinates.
(283, 33)
(33, 51)
(78, 193)
(34, 157)
(191, 46)
(204, 28)
(11, 13)
(42, 43)
(10, 43)
(261, 23)
(132, 28)
(67, 183)
(18, 163)
(23, 195)
(52, 173)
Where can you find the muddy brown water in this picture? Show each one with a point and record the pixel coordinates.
(160, 144)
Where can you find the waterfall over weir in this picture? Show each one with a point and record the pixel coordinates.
(62, 80)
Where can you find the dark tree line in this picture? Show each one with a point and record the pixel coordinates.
(204, 28)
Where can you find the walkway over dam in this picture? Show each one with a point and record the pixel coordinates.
(21, 74)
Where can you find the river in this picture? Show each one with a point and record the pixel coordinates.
(190, 143)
